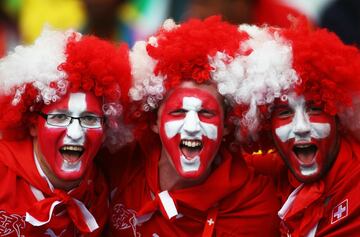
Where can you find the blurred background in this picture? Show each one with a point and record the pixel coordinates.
(21, 21)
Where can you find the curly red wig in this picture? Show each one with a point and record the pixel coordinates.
(329, 70)
(90, 64)
(98, 66)
(178, 53)
(183, 53)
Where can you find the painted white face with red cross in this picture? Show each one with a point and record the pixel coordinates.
(191, 123)
(69, 150)
(306, 137)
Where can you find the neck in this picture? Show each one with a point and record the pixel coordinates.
(169, 178)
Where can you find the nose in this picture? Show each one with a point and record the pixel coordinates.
(74, 131)
(302, 126)
(192, 123)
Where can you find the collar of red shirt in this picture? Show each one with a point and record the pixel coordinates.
(41, 213)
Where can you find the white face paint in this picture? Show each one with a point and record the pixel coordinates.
(190, 165)
(303, 133)
(191, 127)
(301, 128)
(69, 150)
(75, 134)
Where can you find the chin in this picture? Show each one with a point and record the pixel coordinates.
(309, 178)
(70, 175)
(191, 175)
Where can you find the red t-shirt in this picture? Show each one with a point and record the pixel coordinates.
(328, 207)
(231, 202)
(29, 206)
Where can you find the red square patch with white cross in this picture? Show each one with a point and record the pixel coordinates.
(340, 211)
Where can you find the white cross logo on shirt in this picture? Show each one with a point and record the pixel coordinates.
(340, 211)
(210, 222)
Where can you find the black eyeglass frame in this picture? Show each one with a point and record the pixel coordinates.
(45, 116)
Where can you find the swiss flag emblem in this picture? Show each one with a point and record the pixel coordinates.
(339, 212)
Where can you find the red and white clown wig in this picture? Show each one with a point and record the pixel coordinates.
(59, 63)
(196, 50)
(313, 63)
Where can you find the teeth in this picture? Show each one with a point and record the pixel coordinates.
(303, 146)
(190, 143)
(72, 148)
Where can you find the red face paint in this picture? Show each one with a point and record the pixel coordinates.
(69, 151)
(305, 136)
(191, 129)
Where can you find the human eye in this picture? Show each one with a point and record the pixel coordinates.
(283, 112)
(207, 113)
(90, 120)
(57, 117)
(314, 110)
(178, 112)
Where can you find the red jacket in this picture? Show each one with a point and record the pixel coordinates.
(328, 207)
(26, 199)
(231, 202)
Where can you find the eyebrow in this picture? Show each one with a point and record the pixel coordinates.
(63, 111)
(90, 113)
(281, 106)
(67, 112)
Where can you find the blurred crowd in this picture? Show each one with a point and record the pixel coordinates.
(21, 21)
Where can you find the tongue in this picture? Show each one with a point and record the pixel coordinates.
(71, 157)
(189, 153)
(306, 156)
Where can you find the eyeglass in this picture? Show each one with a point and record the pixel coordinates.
(64, 120)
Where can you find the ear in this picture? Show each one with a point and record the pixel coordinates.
(226, 131)
(154, 127)
(33, 130)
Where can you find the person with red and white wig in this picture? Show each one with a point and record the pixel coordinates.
(60, 100)
(182, 178)
(302, 87)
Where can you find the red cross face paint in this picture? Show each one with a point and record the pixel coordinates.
(68, 151)
(191, 128)
(305, 136)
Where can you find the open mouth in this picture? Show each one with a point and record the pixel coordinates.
(190, 148)
(305, 153)
(71, 153)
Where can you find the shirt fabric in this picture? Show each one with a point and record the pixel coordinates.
(330, 206)
(232, 201)
(31, 206)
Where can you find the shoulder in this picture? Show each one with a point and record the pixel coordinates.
(253, 208)
(14, 147)
(252, 204)
(341, 217)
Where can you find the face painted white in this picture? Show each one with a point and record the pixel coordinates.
(65, 166)
(300, 127)
(190, 165)
(191, 127)
(306, 171)
(75, 134)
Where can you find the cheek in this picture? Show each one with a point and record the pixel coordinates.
(48, 134)
(322, 118)
(94, 136)
(280, 129)
(280, 122)
(323, 126)
(215, 129)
